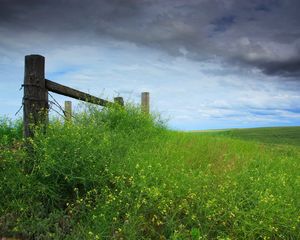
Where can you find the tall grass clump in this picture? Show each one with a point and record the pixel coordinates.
(117, 173)
(42, 190)
(10, 131)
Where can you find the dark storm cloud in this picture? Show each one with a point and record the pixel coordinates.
(261, 34)
(223, 23)
(288, 68)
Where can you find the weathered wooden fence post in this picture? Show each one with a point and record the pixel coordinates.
(35, 100)
(119, 100)
(68, 111)
(145, 106)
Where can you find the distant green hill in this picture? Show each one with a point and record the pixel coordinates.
(272, 135)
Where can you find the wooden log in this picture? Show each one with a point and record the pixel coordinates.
(73, 93)
(68, 111)
(119, 100)
(145, 104)
(35, 100)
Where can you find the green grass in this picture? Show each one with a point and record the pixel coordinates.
(118, 174)
(273, 135)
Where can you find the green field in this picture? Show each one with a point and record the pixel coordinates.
(271, 135)
(119, 174)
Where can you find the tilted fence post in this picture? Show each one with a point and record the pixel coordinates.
(68, 111)
(35, 100)
(145, 104)
(119, 100)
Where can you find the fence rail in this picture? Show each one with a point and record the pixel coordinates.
(73, 93)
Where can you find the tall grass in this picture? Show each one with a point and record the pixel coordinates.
(10, 131)
(120, 174)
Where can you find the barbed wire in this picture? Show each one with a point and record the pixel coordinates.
(56, 103)
(22, 104)
(51, 105)
(53, 109)
(19, 109)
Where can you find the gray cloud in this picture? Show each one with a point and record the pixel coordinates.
(288, 68)
(262, 34)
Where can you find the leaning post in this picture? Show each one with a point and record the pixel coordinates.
(35, 99)
(145, 103)
(119, 100)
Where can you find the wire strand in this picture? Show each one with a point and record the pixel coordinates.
(19, 110)
(56, 103)
(53, 109)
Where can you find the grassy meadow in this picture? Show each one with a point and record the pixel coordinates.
(270, 135)
(119, 174)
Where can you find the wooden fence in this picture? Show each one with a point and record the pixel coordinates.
(36, 87)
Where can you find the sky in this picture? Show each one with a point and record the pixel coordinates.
(208, 64)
